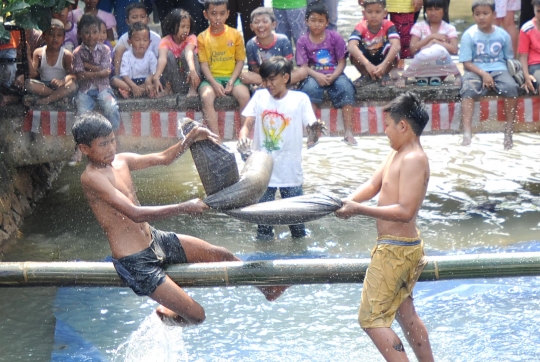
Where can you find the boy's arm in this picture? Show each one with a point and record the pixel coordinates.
(99, 186)
(524, 60)
(412, 184)
(487, 79)
(246, 128)
(395, 47)
(161, 64)
(337, 71)
(138, 162)
(235, 74)
(33, 67)
(118, 52)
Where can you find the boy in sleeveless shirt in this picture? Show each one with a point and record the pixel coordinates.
(51, 69)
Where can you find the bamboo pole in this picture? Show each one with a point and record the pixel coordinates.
(268, 272)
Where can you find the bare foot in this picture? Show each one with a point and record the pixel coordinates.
(400, 82)
(192, 93)
(124, 93)
(466, 140)
(29, 101)
(167, 91)
(349, 139)
(169, 317)
(43, 101)
(273, 292)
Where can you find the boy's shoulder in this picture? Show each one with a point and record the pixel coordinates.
(529, 26)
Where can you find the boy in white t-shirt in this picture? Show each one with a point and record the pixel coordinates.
(138, 65)
(279, 116)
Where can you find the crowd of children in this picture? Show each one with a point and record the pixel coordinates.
(211, 64)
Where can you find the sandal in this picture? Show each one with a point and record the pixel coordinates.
(435, 81)
(422, 82)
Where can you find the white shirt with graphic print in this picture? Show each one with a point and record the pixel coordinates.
(278, 130)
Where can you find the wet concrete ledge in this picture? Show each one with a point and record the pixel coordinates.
(369, 95)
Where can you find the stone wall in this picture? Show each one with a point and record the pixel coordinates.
(20, 187)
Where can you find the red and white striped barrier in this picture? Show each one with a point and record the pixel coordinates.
(367, 120)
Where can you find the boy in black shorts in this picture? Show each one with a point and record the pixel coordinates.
(139, 251)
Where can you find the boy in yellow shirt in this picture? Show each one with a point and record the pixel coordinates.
(221, 55)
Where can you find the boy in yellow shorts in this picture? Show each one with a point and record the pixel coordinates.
(221, 55)
(398, 258)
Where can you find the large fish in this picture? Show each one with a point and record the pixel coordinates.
(291, 211)
(238, 195)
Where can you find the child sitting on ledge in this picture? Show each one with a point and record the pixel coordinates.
(432, 43)
(138, 65)
(52, 64)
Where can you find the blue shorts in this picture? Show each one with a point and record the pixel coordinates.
(143, 271)
(341, 92)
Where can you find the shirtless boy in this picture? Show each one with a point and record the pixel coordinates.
(139, 251)
(398, 258)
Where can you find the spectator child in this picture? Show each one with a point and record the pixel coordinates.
(92, 66)
(321, 52)
(71, 40)
(266, 44)
(484, 51)
(279, 116)
(374, 46)
(135, 12)
(178, 61)
(90, 7)
(432, 43)
(138, 65)
(402, 15)
(52, 68)
(529, 50)
(221, 54)
(103, 35)
(290, 16)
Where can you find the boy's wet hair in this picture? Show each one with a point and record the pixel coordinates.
(171, 23)
(138, 26)
(207, 3)
(261, 10)
(89, 126)
(57, 24)
(86, 21)
(476, 3)
(135, 5)
(408, 106)
(371, 2)
(535, 3)
(274, 66)
(317, 7)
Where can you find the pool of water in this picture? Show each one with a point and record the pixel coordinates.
(480, 198)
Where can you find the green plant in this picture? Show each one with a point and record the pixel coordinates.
(28, 14)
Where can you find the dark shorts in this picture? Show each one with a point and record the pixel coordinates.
(378, 57)
(143, 271)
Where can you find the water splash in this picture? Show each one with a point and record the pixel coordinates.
(153, 341)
